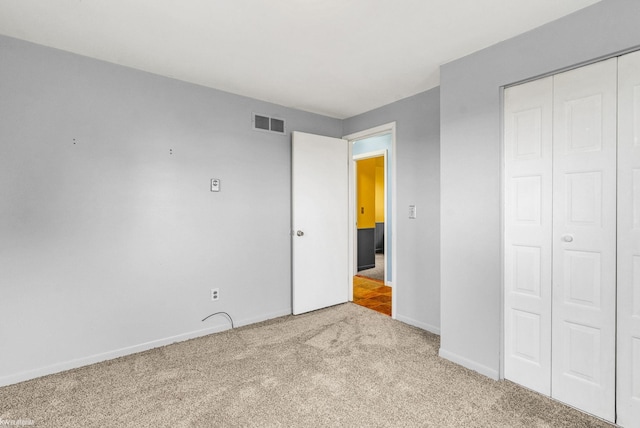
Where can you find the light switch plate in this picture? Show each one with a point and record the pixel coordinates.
(412, 211)
(215, 185)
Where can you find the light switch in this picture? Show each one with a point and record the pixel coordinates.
(412, 211)
(215, 185)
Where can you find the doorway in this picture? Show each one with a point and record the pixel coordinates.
(329, 233)
(369, 289)
(371, 218)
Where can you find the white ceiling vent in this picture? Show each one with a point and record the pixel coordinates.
(266, 123)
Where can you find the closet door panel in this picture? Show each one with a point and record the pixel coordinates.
(628, 394)
(527, 245)
(584, 238)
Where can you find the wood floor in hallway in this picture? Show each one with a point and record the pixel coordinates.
(372, 294)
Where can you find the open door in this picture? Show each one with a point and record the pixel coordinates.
(320, 221)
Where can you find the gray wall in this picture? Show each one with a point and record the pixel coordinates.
(471, 164)
(110, 244)
(417, 279)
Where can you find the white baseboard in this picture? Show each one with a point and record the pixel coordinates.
(265, 317)
(96, 358)
(472, 365)
(430, 328)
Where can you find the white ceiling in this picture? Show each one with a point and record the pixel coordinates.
(334, 57)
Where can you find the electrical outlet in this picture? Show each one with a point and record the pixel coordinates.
(215, 294)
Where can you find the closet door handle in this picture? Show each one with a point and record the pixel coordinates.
(567, 238)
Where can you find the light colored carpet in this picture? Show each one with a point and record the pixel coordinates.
(376, 272)
(344, 366)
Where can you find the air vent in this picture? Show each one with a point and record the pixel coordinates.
(266, 123)
(261, 122)
(277, 125)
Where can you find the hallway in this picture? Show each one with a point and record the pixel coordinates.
(372, 294)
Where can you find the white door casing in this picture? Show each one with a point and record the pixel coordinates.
(388, 128)
(584, 238)
(527, 235)
(320, 229)
(628, 354)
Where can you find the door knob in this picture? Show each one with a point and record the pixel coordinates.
(567, 238)
(300, 233)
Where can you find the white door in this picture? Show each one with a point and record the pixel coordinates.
(527, 245)
(584, 238)
(628, 397)
(320, 208)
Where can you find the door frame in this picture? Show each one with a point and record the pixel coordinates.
(387, 128)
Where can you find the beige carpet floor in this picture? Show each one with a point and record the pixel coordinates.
(376, 272)
(344, 366)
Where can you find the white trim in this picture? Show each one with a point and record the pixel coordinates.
(394, 220)
(369, 155)
(388, 128)
(424, 326)
(472, 365)
(372, 132)
(581, 64)
(109, 355)
(353, 227)
(502, 353)
(265, 317)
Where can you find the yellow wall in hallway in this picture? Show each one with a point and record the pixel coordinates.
(366, 193)
(370, 192)
(379, 189)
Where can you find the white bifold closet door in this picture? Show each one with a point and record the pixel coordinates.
(527, 217)
(628, 387)
(560, 236)
(584, 238)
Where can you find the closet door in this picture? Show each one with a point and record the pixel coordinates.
(527, 246)
(584, 238)
(628, 400)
